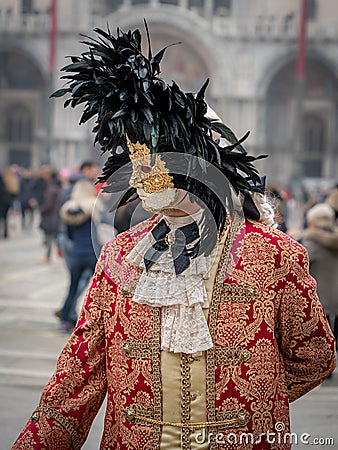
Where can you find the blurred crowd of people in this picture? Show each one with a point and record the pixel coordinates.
(39, 194)
(61, 205)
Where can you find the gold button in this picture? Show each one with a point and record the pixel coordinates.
(246, 355)
(35, 417)
(130, 413)
(242, 417)
(126, 348)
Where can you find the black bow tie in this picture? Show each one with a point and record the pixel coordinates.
(181, 238)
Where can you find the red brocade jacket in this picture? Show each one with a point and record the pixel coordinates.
(272, 344)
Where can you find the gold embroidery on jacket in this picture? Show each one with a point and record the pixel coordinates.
(128, 289)
(185, 399)
(211, 356)
(240, 417)
(231, 356)
(157, 387)
(238, 293)
(137, 414)
(128, 323)
(53, 414)
(139, 348)
(113, 259)
(228, 261)
(224, 293)
(259, 384)
(282, 331)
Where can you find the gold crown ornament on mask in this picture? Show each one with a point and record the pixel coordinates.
(153, 177)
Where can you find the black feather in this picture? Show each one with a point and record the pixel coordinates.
(120, 87)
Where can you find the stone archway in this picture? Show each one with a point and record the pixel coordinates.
(21, 109)
(315, 144)
(319, 108)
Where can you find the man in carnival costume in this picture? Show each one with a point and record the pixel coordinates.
(202, 323)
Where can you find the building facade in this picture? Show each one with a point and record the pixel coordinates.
(248, 49)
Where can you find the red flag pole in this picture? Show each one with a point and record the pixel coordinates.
(50, 87)
(302, 42)
(300, 93)
(52, 35)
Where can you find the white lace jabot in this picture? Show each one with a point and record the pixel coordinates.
(181, 298)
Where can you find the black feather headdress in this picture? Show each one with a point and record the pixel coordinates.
(121, 88)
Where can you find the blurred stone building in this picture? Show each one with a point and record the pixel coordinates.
(248, 48)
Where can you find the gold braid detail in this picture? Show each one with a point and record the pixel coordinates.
(213, 312)
(156, 366)
(191, 425)
(185, 400)
(53, 414)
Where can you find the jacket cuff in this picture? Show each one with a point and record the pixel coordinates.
(58, 417)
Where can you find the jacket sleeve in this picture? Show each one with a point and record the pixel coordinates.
(73, 396)
(305, 338)
(312, 250)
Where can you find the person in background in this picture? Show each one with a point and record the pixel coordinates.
(5, 204)
(65, 194)
(80, 215)
(48, 210)
(88, 172)
(39, 186)
(332, 200)
(320, 238)
(25, 197)
(9, 190)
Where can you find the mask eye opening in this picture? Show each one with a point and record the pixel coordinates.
(146, 169)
